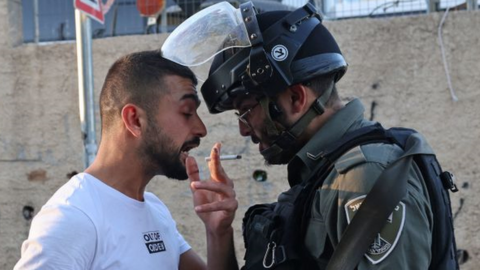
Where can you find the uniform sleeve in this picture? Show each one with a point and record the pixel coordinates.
(60, 238)
(404, 242)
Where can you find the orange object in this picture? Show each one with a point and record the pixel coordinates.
(150, 8)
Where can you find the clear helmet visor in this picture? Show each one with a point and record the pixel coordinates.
(205, 34)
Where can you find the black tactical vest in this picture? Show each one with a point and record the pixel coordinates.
(274, 233)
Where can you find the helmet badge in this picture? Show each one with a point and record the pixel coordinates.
(279, 53)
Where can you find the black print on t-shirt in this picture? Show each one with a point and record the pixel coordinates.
(154, 242)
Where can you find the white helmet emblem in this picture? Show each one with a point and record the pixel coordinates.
(279, 53)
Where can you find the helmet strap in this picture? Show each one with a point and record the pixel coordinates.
(272, 129)
(287, 138)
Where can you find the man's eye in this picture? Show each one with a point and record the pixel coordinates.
(241, 111)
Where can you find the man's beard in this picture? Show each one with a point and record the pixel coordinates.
(161, 156)
(285, 155)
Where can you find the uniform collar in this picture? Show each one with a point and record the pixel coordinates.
(347, 119)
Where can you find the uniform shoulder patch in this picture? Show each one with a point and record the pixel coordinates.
(387, 239)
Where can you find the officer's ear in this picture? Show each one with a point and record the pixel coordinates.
(297, 101)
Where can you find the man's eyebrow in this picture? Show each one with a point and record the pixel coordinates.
(192, 96)
(240, 103)
(237, 103)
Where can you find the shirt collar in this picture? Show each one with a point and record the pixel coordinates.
(347, 119)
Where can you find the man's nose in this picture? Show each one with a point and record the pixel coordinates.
(244, 129)
(200, 129)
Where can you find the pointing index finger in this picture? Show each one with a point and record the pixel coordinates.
(215, 166)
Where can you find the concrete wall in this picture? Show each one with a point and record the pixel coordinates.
(395, 63)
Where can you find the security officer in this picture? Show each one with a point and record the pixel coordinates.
(279, 71)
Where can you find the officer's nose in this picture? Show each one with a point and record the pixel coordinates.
(244, 129)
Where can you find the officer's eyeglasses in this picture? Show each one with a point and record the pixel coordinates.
(243, 117)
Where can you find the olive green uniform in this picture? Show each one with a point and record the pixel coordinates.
(405, 241)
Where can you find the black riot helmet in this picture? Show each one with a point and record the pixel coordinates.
(286, 48)
(260, 54)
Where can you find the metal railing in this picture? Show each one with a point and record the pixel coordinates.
(53, 20)
(341, 9)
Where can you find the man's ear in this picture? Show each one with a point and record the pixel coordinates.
(298, 98)
(133, 119)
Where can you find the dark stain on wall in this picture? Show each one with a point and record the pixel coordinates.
(39, 175)
(27, 212)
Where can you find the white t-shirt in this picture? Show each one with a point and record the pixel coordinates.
(89, 225)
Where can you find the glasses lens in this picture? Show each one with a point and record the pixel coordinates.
(243, 117)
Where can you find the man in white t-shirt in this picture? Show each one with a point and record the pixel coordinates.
(103, 218)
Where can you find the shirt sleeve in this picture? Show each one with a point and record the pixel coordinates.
(158, 205)
(61, 237)
(183, 245)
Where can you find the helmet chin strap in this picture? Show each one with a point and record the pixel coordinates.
(287, 138)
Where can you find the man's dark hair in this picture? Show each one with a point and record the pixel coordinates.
(137, 78)
(320, 84)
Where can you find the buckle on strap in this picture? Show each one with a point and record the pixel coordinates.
(318, 106)
(448, 181)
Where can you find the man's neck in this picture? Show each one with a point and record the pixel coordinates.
(121, 171)
(319, 121)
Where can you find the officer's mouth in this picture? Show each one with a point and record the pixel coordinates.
(255, 140)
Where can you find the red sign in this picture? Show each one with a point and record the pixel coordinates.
(150, 8)
(92, 8)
